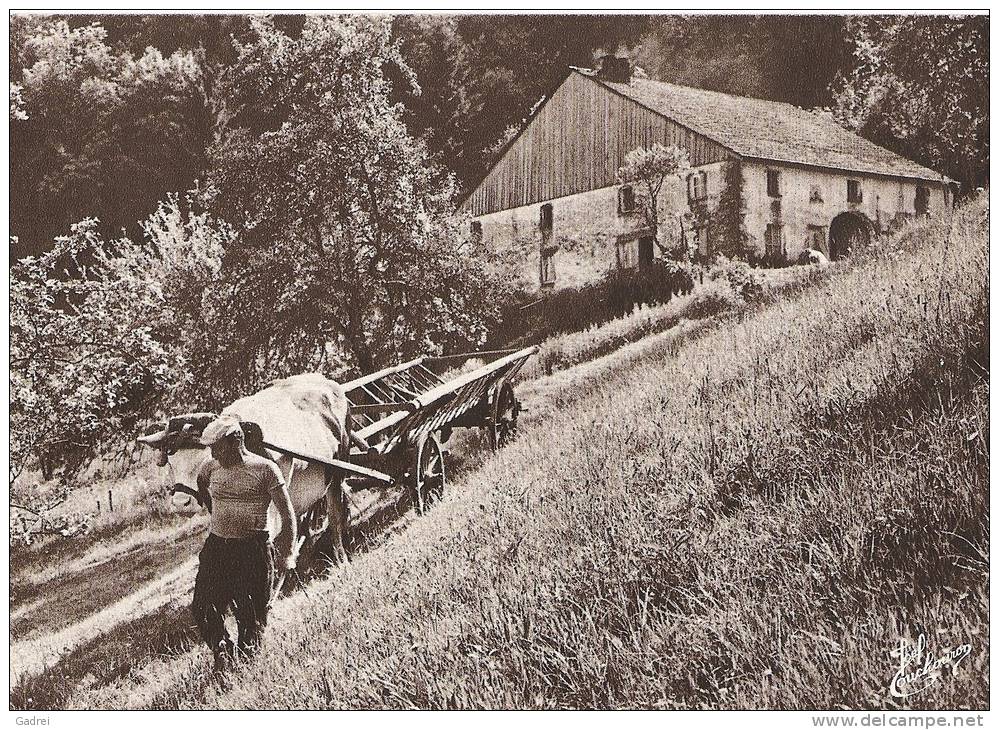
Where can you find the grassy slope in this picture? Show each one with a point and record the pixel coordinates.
(751, 518)
(706, 300)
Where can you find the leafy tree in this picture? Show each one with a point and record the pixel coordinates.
(438, 109)
(479, 75)
(649, 169)
(17, 113)
(99, 332)
(95, 133)
(347, 253)
(791, 58)
(919, 84)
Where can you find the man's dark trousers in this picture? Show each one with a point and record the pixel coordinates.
(234, 572)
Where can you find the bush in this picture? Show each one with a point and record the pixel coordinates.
(656, 284)
(615, 295)
(100, 336)
(713, 297)
(741, 277)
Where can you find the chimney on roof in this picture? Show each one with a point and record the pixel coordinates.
(615, 68)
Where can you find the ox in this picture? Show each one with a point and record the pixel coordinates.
(305, 414)
(814, 257)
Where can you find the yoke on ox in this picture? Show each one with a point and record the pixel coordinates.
(383, 429)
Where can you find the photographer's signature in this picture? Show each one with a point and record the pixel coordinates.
(919, 669)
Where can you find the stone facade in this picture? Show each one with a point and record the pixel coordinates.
(808, 200)
(590, 233)
(584, 236)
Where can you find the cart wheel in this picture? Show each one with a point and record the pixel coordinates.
(427, 483)
(505, 413)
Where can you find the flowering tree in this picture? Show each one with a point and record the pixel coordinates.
(347, 252)
(98, 335)
(649, 169)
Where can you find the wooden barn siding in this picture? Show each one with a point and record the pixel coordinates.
(576, 143)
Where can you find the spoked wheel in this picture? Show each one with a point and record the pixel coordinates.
(426, 482)
(505, 412)
(311, 528)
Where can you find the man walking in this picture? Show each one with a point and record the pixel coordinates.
(236, 567)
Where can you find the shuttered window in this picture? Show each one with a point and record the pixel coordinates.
(922, 200)
(816, 238)
(774, 240)
(853, 192)
(548, 266)
(627, 254)
(697, 186)
(626, 199)
(547, 224)
(773, 183)
(703, 244)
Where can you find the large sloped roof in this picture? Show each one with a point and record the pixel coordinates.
(768, 130)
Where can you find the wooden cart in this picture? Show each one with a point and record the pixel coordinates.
(398, 418)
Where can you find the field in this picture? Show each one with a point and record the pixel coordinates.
(747, 510)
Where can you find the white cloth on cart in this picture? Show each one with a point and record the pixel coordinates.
(305, 414)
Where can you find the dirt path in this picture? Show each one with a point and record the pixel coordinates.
(82, 623)
(99, 614)
(56, 600)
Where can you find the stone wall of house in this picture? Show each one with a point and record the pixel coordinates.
(809, 200)
(590, 234)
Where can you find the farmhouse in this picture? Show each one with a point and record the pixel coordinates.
(767, 180)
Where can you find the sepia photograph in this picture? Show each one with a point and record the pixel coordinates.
(500, 360)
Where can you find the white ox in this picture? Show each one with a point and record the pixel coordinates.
(305, 414)
(814, 257)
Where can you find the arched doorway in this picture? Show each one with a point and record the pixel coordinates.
(847, 232)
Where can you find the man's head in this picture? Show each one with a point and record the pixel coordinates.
(224, 437)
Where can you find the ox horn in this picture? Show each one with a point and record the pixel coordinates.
(153, 438)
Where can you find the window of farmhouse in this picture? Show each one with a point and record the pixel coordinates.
(701, 237)
(773, 183)
(816, 238)
(627, 254)
(646, 252)
(547, 219)
(548, 249)
(922, 200)
(853, 192)
(625, 199)
(774, 242)
(697, 186)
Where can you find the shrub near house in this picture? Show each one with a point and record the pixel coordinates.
(614, 295)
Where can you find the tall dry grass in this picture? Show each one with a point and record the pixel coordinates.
(753, 519)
